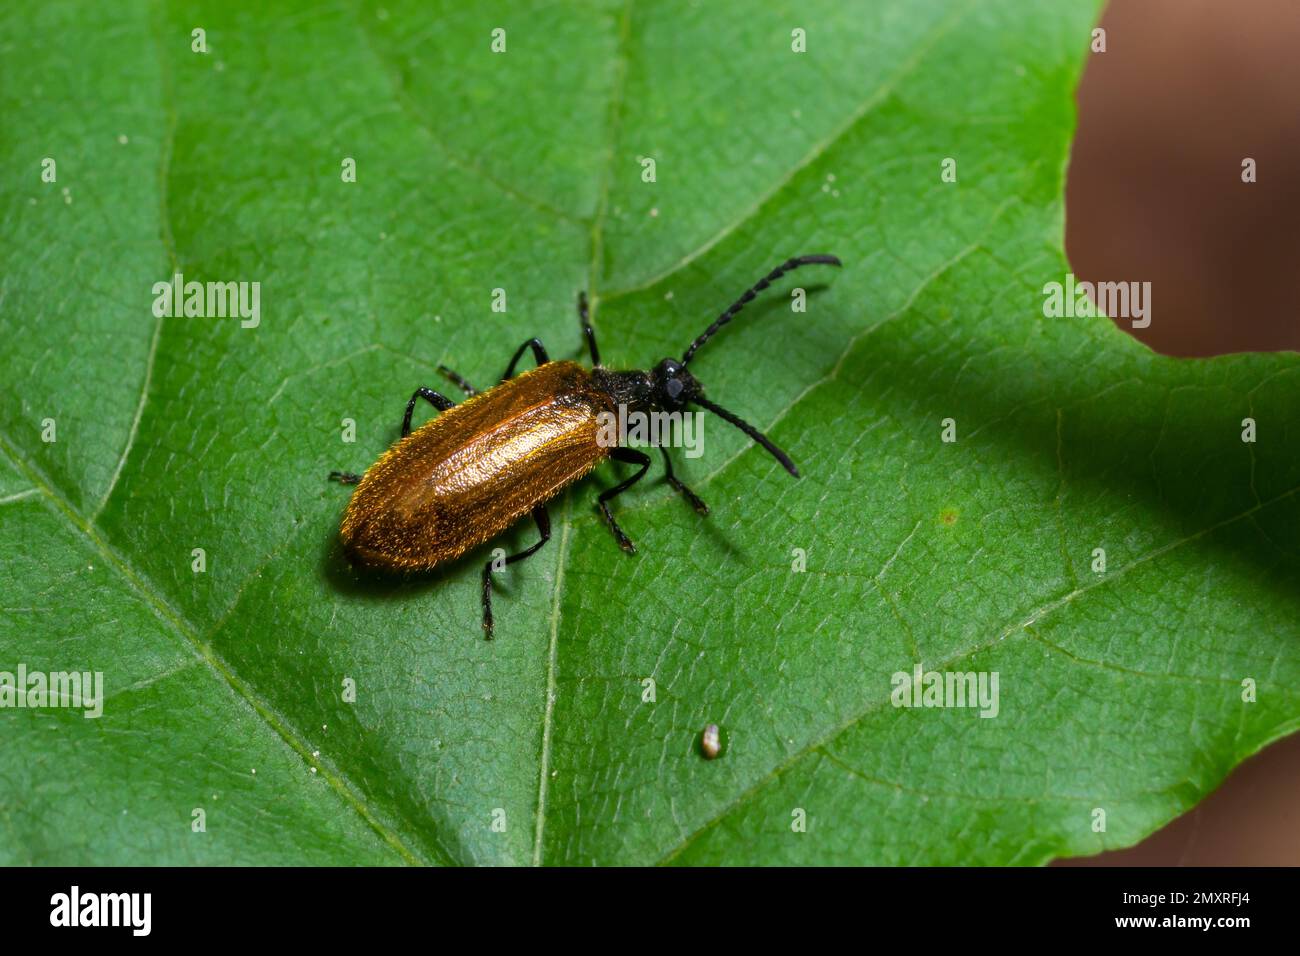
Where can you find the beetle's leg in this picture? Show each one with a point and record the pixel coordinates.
(345, 477)
(539, 353)
(587, 330)
(440, 402)
(543, 520)
(632, 457)
(691, 498)
(458, 381)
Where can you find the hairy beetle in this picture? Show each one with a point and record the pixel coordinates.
(478, 467)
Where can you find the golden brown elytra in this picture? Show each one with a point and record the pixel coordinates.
(477, 468)
(464, 477)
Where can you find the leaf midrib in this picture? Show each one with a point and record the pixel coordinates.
(909, 66)
(595, 263)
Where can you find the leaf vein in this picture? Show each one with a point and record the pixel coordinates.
(189, 639)
(818, 744)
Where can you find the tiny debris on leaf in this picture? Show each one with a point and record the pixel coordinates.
(710, 742)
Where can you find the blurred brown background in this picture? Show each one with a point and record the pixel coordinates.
(1185, 91)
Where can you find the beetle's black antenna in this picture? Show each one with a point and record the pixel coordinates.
(749, 430)
(759, 286)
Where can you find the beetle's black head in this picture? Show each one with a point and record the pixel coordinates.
(669, 387)
(673, 385)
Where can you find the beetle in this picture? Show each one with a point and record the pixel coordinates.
(476, 468)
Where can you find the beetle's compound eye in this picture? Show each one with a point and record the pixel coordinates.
(673, 384)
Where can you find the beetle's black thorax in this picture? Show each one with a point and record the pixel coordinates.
(633, 390)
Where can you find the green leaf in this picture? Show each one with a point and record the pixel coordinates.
(1120, 691)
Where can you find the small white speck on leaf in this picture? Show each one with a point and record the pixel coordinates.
(711, 742)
